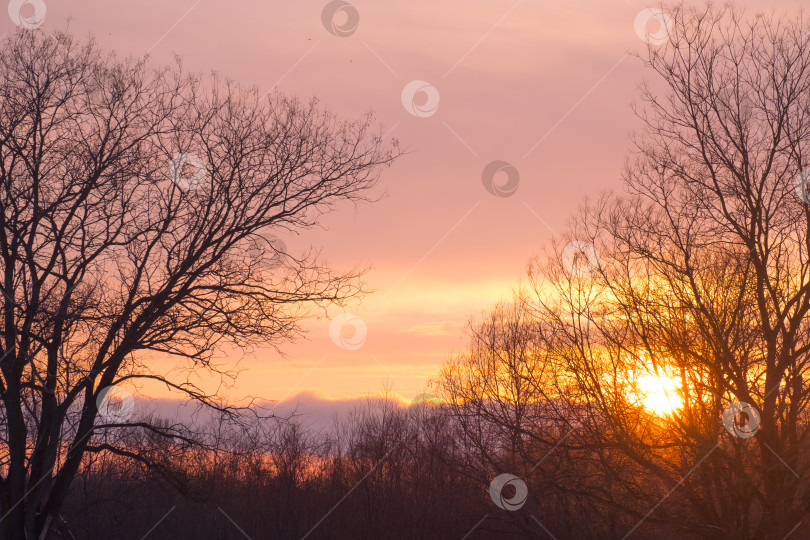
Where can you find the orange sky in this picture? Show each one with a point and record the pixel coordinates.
(544, 86)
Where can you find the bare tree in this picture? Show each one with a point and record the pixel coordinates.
(699, 275)
(704, 277)
(508, 398)
(138, 209)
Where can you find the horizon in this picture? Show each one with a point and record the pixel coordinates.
(440, 248)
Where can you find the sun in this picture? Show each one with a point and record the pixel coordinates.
(659, 393)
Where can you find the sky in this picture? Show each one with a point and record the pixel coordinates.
(545, 88)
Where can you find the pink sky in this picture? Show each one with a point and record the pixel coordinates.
(511, 76)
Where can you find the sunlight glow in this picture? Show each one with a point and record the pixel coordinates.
(659, 393)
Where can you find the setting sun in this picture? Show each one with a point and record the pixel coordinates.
(659, 393)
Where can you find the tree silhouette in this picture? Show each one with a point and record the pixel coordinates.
(698, 275)
(138, 209)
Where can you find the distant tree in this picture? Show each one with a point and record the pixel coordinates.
(137, 214)
(699, 275)
(509, 403)
(384, 471)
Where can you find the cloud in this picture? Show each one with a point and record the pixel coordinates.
(312, 410)
(438, 328)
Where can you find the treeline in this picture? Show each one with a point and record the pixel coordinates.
(585, 459)
(385, 471)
